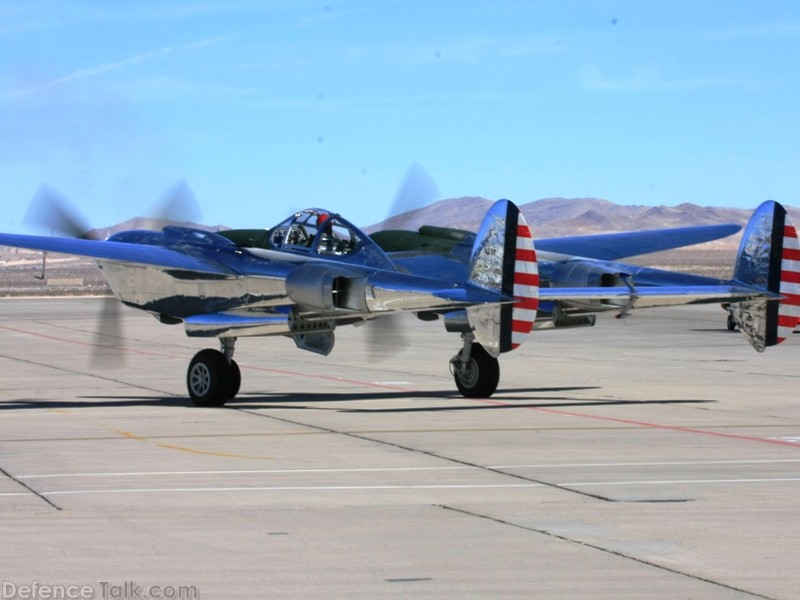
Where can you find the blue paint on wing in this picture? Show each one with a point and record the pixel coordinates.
(614, 246)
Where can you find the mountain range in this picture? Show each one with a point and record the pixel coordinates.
(555, 217)
(549, 217)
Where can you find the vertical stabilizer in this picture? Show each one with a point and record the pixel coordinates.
(769, 258)
(504, 260)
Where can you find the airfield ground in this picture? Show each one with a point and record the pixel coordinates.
(657, 457)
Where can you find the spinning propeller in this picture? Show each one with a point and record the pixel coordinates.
(51, 212)
(417, 189)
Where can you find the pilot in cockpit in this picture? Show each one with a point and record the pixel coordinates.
(316, 231)
(327, 238)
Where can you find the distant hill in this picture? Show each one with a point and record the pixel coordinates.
(549, 217)
(554, 217)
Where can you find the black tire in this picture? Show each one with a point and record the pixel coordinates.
(209, 378)
(480, 376)
(731, 323)
(236, 379)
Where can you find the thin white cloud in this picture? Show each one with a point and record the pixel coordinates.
(330, 14)
(120, 64)
(756, 30)
(645, 80)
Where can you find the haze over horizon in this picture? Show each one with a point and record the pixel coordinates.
(267, 107)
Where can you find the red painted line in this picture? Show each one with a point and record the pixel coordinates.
(791, 253)
(87, 344)
(643, 424)
(789, 231)
(329, 378)
(648, 425)
(162, 355)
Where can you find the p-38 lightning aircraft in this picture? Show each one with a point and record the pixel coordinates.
(316, 271)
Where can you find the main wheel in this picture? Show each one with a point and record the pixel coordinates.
(731, 323)
(210, 378)
(478, 378)
(236, 378)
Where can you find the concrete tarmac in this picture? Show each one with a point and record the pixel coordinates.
(656, 457)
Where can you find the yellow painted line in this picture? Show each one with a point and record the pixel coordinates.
(210, 453)
(129, 435)
(132, 436)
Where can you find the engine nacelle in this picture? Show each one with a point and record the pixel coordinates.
(586, 273)
(323, 288)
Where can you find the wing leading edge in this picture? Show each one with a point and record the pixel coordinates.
(119, 252)
(615, 246)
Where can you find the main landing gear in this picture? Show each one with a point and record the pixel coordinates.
(475, 371)
(214, 377)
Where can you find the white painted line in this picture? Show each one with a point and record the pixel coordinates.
(402, 469)
(677, 481)
(245, 472)
(392, 487)
(282, 489)
(652, 464)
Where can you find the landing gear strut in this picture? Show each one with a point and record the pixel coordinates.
(214, 377)
(475, 371)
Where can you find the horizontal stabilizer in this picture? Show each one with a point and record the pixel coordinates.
(652, 296)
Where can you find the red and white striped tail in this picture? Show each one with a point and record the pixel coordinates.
(789, 308)
(526, 285)
(768, 259)
(502, 325)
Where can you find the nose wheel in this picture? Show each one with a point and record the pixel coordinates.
(213, 377)
(476, 372)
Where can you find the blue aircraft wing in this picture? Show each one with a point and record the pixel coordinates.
(117, 252)
(614, 246)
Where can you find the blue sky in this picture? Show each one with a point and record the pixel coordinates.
(265, 107)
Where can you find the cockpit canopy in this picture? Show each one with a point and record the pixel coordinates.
(317, 232)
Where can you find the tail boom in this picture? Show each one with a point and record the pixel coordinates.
(504, 260)
(769, 259)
